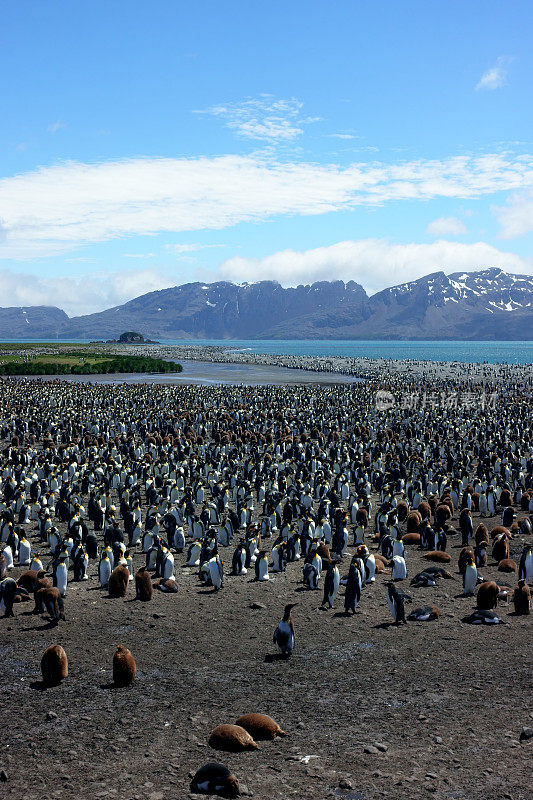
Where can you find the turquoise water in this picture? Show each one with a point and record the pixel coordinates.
(477, 352)
(493, 352)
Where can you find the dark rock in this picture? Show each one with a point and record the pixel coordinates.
(526, 734)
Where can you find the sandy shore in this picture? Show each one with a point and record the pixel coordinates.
(334, 365)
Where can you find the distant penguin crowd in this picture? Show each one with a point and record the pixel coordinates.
(123, 486)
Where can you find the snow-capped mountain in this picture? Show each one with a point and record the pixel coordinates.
(489, 304)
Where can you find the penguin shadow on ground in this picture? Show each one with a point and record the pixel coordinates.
(270, 658)
(47, 626)
(343, 614)
(40, 686)
(207, 591)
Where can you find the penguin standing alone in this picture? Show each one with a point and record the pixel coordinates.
(284, 633)
(395, 600)
(353, 589)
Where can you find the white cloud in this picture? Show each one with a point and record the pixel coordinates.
(54, 209)
(341, 136)
(446, 226)
(516, 218)
(79, 295)
(56, 126)
(374, 263)
(496, 76)
(137, 255)
(191, 248)
(263, 118)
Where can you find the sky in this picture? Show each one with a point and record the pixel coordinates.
(148, 144)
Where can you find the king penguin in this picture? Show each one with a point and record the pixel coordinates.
(331, 585)
(469, 578)
(353, 589)
(396, 604)
(284, 633)
(261, 567)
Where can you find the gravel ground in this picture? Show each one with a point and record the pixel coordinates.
(372, 711)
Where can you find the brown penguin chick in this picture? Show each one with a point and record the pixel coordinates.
(380, 567)
(482, 534)
(378, 558)
(524, 501)
(54, 665)
(442, 514)
(167, 585)
(433, 502)
(424, 509)
(28, 579)
(143, 584)
(231, 738)
(507, 565)
(446, 500)
(413, 522)
(402, 510)
(465, 556)
(522, 598)
(505, 498)
(49, 599)
(118, 581)
(323, 551)
(42, 582)
(411, 538)
(124, 669)
(500, 551)
(487, 595)
(498, 531)
(438, 555)
(260, 726)
(22, 596)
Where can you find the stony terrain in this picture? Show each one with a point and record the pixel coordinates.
(372, 711)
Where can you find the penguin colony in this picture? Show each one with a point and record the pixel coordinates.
(110, 485)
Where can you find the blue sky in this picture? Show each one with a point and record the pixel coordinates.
(148, 144)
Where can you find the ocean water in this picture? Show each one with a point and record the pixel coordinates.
(475, 352)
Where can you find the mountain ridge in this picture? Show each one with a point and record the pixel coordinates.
(486, 304)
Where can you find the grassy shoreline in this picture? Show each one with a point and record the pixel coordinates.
(65, 361)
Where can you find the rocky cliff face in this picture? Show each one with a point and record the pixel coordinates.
(489, 304)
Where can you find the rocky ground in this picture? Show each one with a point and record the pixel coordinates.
(372, 711)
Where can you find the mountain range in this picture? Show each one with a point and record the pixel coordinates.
(488, 304)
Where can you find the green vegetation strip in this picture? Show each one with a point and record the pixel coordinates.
(84, 364)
